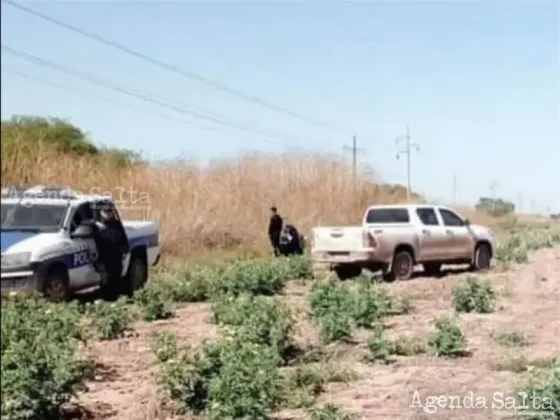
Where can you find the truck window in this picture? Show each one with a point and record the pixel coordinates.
(81, 214)
(427, 216)
(450, 218)
(387, 215)
(43, 217)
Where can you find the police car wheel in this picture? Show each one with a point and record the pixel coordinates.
(56, 287)
(137, 273)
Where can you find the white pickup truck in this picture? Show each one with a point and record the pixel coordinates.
(46, 248)
(395, 238)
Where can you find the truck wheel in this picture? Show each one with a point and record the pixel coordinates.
(56, 285)
(432, 269)
(345, 272)
(482, 258)
(137, 275)
(402, 266)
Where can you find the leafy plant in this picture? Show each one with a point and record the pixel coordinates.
(333, 307)
(339, 310)
(447, 340)
(379, 347)
(299, 267)
(232, 378)
(255, 277)
(165, 346)
(404, 346)
(40, 367)
(475, 296)
(516, 247)
(154, 301)
(110, 320)
(543, 394)
(260, 319)
(329, 412)
(189, 286)
(303, 386)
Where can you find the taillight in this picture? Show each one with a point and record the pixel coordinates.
(369, 240)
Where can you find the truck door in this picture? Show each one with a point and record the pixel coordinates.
(82, 273)
(434, 241)
(463, 241)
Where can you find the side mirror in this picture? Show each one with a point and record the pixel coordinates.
(82, 231)
(467, 222)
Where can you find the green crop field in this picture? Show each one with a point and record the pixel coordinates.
(263, 338)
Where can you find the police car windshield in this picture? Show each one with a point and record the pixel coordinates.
(42, 217)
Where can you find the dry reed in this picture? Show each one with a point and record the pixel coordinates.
(223, 207)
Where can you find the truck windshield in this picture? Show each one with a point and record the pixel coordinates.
(42, 217)
(388, 216)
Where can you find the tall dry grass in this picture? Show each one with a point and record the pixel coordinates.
(224, 207)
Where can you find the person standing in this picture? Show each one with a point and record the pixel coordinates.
(112, 246)
(274, 229)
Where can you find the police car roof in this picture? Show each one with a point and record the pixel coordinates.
(47, 195)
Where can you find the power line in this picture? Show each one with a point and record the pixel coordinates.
(60, 86)
(128, 92)
(46, 82)
(407, 151)
(188, 74)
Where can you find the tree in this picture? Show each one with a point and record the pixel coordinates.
(55, 132)
(62, 136)
(497, 207)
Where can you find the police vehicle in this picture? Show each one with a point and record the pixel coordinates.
(47, 248)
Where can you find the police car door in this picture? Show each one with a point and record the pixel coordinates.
(82, 272)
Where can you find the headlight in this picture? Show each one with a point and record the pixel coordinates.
(19, 259)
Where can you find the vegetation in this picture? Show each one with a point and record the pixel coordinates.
(517, 245)
(447, 340)
(475, 296)
(223, 207)
(496, 207)
(511, 339)
(339, 309)
(41, 369)
(55, 134)
(261, 361)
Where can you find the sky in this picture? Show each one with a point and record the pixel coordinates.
(477, 82)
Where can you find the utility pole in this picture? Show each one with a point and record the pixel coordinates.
(406, 151)
(355, 150)
(454, 189)
(493, 188)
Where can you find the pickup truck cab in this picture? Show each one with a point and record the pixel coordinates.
(396, 238)
(48, 246)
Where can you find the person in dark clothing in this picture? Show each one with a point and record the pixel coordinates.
(274, 229)
(112, 244)
(291, 241)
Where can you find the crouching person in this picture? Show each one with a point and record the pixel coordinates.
(291, 241)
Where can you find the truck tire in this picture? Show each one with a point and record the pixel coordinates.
(56, 286)
(482, 258)
(137, 274)
(402, 266)
(432, 269)
(345, 272)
